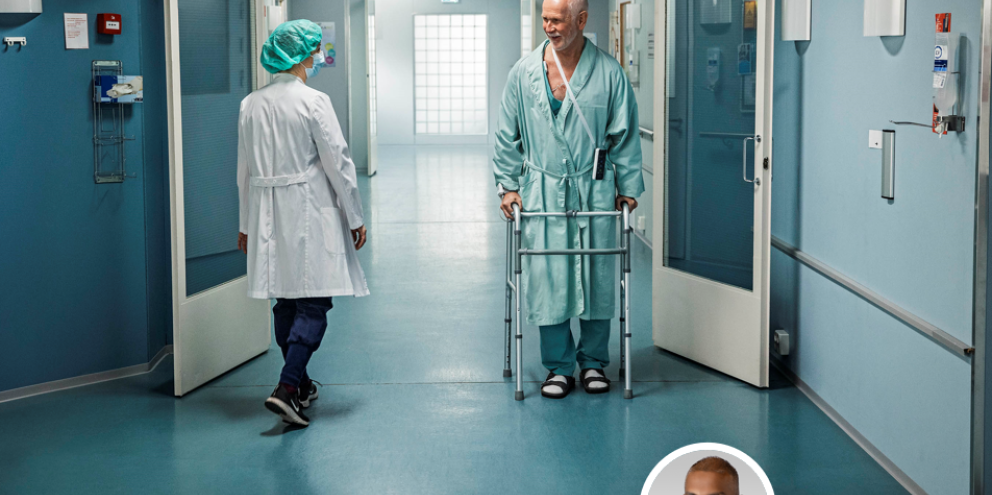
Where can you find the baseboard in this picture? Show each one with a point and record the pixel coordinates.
(80, 381)
(855, 435)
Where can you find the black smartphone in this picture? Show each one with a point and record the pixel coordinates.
(599, 164)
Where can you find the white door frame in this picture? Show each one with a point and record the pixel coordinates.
(372, 103)
(715, 324)
(218, 329)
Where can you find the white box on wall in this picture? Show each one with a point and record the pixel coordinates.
(20, 7)
(796, 15)
(885, 18)
(714, 12)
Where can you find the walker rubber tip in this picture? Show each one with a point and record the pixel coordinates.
(507, 373)
(628, 394)
(519, 395)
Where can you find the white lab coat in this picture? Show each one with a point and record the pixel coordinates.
(299, 195)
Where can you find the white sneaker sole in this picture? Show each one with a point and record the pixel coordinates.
(285, 411)
(306, 403)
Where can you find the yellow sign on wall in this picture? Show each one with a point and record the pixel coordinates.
(751, 15)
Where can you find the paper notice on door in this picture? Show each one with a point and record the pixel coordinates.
(77, 35)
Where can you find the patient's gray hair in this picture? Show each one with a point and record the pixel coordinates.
(578, 6)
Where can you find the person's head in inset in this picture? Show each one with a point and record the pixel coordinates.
(712, 476)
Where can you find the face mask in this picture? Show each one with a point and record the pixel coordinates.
(318, 62)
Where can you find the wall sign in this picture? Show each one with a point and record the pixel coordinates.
(327, 43)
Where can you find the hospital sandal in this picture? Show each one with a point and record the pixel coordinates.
(557, 386)
(594, 375)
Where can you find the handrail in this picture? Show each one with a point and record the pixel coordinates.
(946, 340)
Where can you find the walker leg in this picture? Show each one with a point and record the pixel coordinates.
(623, 330)
(628, 392)
(623, 316)
(519, 394)
(509, 299)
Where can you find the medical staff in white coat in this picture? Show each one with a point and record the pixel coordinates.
(301, 211)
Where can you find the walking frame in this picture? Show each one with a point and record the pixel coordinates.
(514, 255)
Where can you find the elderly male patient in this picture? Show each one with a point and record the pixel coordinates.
(562, 103)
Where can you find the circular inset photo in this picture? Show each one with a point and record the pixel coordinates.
(707, 469)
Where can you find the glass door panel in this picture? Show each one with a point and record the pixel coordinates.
(711, 75)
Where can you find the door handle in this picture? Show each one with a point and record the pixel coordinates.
(757, 180)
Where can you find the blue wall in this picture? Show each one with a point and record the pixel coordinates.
(907, 395)
(85, 267)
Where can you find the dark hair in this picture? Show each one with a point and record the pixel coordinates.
(717, 465)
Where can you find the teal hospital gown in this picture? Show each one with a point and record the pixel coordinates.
(548, 159)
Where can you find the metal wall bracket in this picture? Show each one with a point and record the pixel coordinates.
(952, 123)
(15, 40)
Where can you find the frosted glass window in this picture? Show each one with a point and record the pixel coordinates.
(450, 61)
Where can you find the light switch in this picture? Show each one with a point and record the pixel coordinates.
(875, 139)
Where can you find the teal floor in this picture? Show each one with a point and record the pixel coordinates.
(414, 400)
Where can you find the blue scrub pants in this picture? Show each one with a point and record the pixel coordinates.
(558, 352)
(299, 326)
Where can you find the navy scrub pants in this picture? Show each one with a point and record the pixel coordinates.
(299, 326)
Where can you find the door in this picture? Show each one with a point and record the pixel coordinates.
(370, 73)
(210, 68)
(711, 273)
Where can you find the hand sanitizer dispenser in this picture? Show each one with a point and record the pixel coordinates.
(713, 67)
(946, 78)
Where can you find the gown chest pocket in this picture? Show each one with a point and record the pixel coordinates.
(333, 230)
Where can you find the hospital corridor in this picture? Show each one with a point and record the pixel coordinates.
(495, 247)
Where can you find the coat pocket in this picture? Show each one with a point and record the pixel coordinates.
(334, 231)
(532, 191)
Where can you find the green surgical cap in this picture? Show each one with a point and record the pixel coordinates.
(290, 44)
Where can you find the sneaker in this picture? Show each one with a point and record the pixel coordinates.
(308, 392)
(287, 406)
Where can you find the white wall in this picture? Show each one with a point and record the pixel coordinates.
(394, 45)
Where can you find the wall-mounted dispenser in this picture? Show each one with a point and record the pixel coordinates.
(885, 18)
(20, 6)
(946, 78)
(713, 67)
(796, 15)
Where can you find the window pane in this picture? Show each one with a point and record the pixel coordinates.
(451, 83)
